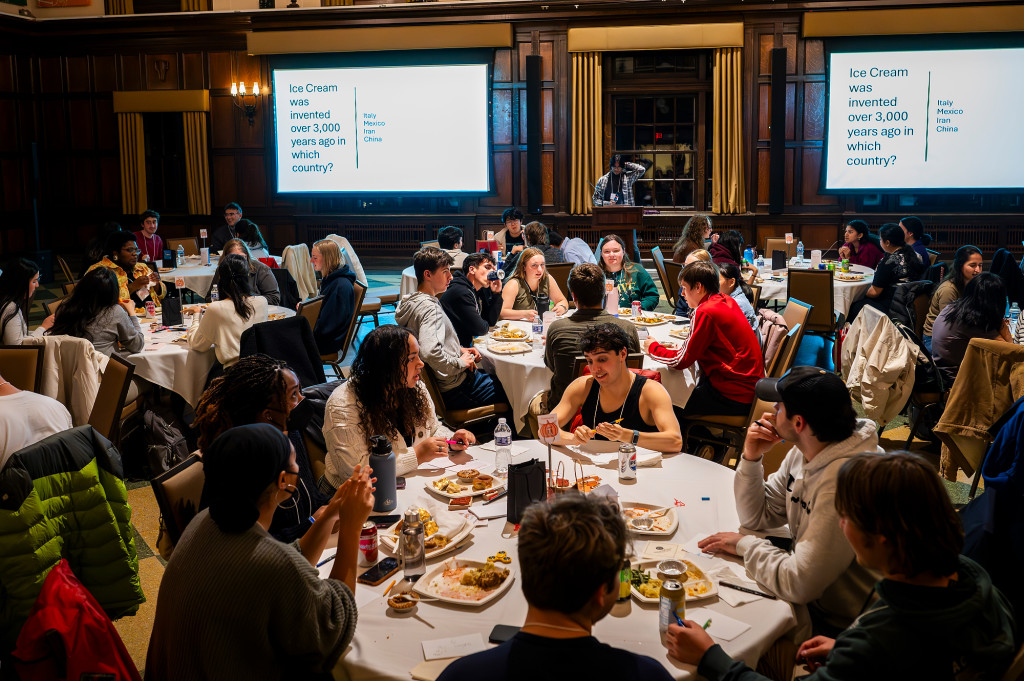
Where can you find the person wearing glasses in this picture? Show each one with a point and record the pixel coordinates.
(227, 231)
(137, 283)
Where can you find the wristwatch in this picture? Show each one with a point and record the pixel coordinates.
(636, 436)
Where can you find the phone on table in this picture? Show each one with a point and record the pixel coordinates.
(379, 572)
(384, 521)
(400, 482)
(502, 632)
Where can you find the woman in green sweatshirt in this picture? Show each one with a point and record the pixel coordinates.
(632, 280)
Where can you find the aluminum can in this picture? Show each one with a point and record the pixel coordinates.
(625, 581)
(627, 462)
(368, 544)
(150, 308)
(846, 265)
(671, 604)
(636, 308)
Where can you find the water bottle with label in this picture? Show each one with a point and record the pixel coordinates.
(181, 255)
(1014, 316)
(214, 294)
(800, 252)
(502, 449)
(382, 460)
(414, 562)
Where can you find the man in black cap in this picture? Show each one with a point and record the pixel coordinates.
(814, 412)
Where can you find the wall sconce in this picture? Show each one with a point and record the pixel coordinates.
(239, 95)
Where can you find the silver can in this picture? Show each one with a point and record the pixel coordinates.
(671, 606)
(627, 462)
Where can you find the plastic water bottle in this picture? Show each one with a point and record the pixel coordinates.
(181, 255)
(1014, 313)
(214, 294)
(800, 251)
(611, 297)
(748, 255)
(502, 449)
(414, 562)
(760, 261)
(382, 461)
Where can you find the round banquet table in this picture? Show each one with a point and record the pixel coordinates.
(524, 375)
(387, 644)
(408, 286)
(198, 277)
(843, 292)
(172, 364)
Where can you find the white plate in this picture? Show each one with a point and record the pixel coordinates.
(681, 334)
(652, 567)
(390, 540)
(661, 320)
(497, 484)
(525, 339)
(667, 523)
(510, 347)
(431, 585)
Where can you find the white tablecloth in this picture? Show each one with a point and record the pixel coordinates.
(175, 366)
(523, 376)
(387, 645)
(843, 292)
(198, 277)
(408, 286)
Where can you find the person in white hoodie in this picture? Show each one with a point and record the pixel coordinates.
(813, 411)
(455, 370)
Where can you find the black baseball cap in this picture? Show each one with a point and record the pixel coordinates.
(819, 396)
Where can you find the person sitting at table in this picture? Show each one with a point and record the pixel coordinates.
(978, 313)
(729, 249)
(615, 403)
(450, 239)
(813, 410)
(261, 389)
(529, 282)
(682, 307)
(632, 280)
(385, 396)
(586, 285)
(95, 249)
(696, 231)
(573, 249)
(572, 535)
(721, 343)
(967, 263)
(913, 231)
(94, 312)
(901, 264)
(511, 238)
(261, 279)
(19, 280)
(937, 616)
(221, 235)
(731, 283)
(250, 234)
(860, 248)
(473, 300)
(149, 242)
(136, 282)
(455, 370)
(536, 234)
(339, 296)
(222, 324)
(26, 418)
(243, 604)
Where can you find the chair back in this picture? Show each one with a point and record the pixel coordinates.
(634, 360)
(50, 306)
(106, 411)
(672, 271)
(350, 257)
(922, 303)
(932, 256)
(796, 313)
(287, 287)
(295, 259)
(189, 243)
(817, 288)
(22, 365)
(778, 243)
(68, 288)
(310, 309)
(783, 360)
(757, 295)
(177, 493)
(659, 264)
(430, 382)
(560, 273)
(289, 340)
(538, 405)
(435, 243)
(65, 269)
(360, 294)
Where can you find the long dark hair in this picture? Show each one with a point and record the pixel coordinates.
(93, 294)
(893, 233)
(248, 232)
(982, 304)
(956, 272)
(387, 406)
(693, 233)
(233, 283)
(733, 241)
(732, 271)
(862, 228)
(14, 281)
(916, 228)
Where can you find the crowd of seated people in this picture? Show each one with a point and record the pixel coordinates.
(529, 283)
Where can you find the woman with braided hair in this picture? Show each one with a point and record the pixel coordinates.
(384, 396)
(222, 324)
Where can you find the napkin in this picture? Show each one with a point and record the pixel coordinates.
(456, 646)
(430, 669)
(722, 627)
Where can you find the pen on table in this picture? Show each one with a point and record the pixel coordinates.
(393, 582)
(707, 624)
(493, 499)
(325, 561)
(744, 589)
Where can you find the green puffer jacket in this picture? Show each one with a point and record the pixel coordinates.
(64, 497)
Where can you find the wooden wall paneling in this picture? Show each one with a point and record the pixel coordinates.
(51, 77)
(251, 179)
(223, 115)
(53, 178)
(814, 111)
(762, 176)
(78, 74)
(27, 123)
(104, 73)
(810, 169)
(791, 111)
(547, 99)
(764, 111)
(789, 42)
(502, 195)
(222, 179)
(221, 74)
(248, 68)
(8, 126)
(131, 72)
(502, 67)
(106, 124)
(790, 170)
(814, 57)
(193, 73)
(53, 124)
(819, 236)
(501, 117)
(6, 73)
(250, 136)
(84, 182)
(162, 72)
(765, 43)
(765, 230)
(81, 124)
(14, 186)
(110, 181)
(547, 170)
(546, 52)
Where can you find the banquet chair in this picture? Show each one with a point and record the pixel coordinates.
(757, 295)
(375, 297)
(932, 256)
(817, 287)
(672, 271)
(360, 296)
(68, 288)
(106, 410)
(189, 243)
(289, 340)
(50, 306)
(22, 365)
(65, 269)
(560, 272)
(287, 287)
(310, 310)
(177, 493)
(778, 243)
(458, 418)
(435, 243)
(796, 313)
(659, 264)
(538, 405)
(295, 259)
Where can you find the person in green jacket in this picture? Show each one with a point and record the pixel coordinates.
(632, 280)
(937, 615)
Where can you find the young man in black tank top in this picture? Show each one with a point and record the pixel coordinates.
(616, 404)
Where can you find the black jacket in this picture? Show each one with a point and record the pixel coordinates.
(220, 236)
(471, 312)
(337, 310)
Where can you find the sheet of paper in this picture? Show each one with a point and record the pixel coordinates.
(430, 670)
(457, 646)
(660, 550)
(499, 509)
(690, 546)
(722, 627)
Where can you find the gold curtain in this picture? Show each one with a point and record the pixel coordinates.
(335, 3)
(587, 130)
(197, 168)
(120, 7)
(133, 162)
(728, 185)
(195, 5)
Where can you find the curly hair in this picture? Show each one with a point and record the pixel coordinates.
(237, 398)
(693, 233)
(387, 406)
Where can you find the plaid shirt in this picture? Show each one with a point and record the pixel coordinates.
(630, 174)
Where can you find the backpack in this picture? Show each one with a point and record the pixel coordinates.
(166, 447)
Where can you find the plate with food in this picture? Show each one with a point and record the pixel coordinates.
(510, 348)
(625, 311)
(848, 276)
(681, 333)
(510, 332)
(651, 319)
(645, 586)
(465, 582)
(273, 317)
(650, 518)
(442, 532)
(453, 487)
(164, 270)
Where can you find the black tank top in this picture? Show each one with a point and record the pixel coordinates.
(631, 419)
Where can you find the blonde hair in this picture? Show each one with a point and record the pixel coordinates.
(331, 255)
(699, 254)
(231, 243)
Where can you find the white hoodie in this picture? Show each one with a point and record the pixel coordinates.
(822, 569)
(422, 314)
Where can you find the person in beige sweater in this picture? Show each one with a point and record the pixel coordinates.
(224, 321)
(967, 264)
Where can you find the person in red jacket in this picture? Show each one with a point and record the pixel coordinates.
(721, 343)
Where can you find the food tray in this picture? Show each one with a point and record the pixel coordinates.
(664, 526)
(652, 567)
(433, 585)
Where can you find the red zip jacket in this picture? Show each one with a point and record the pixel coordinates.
(723, 345)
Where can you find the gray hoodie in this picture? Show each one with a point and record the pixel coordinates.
(822, 569)
(422, 314)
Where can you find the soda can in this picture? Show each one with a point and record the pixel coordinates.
(636, 309)
(150, 308)
(627, 462)
(368, 544)
(672, 604)
(846, 265)
(625, 581)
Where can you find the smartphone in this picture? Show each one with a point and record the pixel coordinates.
(379, 572)
(502, 632)
(399, 482)
(385, 521)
